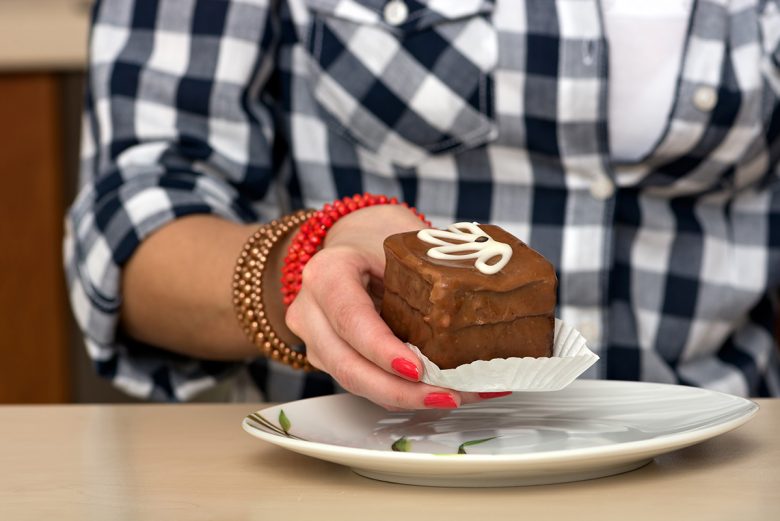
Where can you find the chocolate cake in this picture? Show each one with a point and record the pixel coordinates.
(455, 313)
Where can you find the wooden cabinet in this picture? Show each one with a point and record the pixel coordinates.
(43, 53)
(43, 49)
(34, 350)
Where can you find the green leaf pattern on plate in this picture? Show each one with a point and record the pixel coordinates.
(402, 444)
(284, 422)
(462, 447)
(282, 430)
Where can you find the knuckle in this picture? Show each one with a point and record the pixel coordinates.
(313, 358)
(345, 318)
(391, 408)
(346, 377)
(399, 398)
(316, 268)
(293, 317)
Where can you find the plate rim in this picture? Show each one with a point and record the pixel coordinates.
(664, 443)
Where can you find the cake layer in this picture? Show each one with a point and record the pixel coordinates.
(449, 348)
(463, 306)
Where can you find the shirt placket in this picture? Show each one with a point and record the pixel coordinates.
(587, 234)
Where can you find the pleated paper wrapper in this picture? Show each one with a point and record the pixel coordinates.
(571, 357)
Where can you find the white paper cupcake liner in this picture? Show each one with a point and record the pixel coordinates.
(571, 357)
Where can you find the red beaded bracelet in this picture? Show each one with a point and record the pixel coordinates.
(311, 236)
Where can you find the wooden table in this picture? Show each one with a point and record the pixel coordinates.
(136, 462)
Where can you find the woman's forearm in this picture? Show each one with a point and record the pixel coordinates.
(177, 289)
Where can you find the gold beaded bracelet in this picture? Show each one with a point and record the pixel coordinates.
(248, 290)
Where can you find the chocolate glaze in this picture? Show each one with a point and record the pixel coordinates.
(456, 314)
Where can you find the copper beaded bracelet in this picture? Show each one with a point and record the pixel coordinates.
(248, 290)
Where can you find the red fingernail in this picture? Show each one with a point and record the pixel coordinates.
(406, 368)
(440, 401)
(488, 396)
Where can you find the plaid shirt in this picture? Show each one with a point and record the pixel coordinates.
(492, 111)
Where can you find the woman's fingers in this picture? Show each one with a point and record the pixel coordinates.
(352, 314)
(330, 353)
(356, 374)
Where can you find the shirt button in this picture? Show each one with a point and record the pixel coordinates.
(396, 12)
(705, 98)
(602, 188)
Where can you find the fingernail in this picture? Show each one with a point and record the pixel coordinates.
(440, 401)
(406, 368)
(488, 396)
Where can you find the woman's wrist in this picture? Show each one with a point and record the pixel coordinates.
(368, 228)
(272, 286)
(256, 294)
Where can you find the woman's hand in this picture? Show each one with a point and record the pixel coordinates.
(179, 277)
(335, 314)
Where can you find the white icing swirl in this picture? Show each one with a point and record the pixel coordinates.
(465, 236)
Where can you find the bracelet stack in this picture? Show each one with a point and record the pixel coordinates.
(248, 290)
(252, 263)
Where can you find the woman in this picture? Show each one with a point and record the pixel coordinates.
(636, 147)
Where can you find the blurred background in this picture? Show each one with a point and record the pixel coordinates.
(42, 61)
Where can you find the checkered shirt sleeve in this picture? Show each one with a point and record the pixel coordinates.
(166, 134)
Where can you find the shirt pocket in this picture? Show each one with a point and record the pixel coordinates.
(404, 80)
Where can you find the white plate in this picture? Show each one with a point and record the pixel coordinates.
(590, 429)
